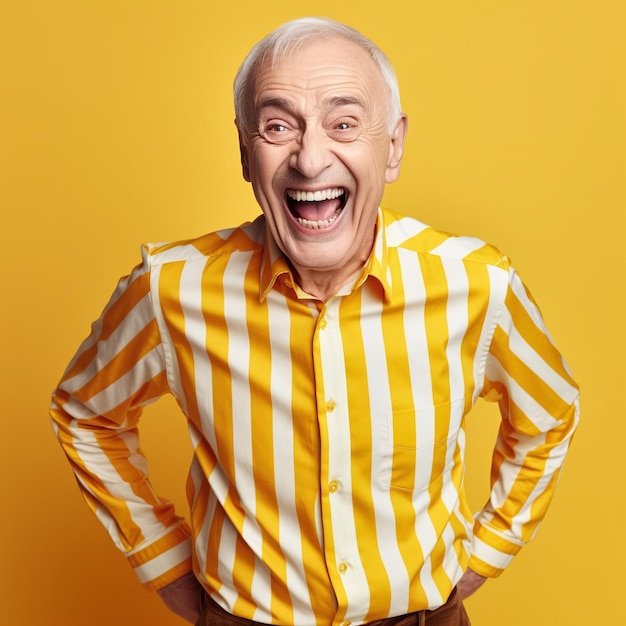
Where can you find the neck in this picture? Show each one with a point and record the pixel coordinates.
(324, 285)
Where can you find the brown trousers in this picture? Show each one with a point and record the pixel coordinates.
(452, 613)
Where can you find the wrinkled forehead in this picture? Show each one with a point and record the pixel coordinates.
(332, 64)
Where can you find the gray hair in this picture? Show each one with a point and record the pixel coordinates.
(290, 37)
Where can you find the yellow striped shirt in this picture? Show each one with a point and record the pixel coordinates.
(327, 478)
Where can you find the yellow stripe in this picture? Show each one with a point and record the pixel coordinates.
(361, 462)
(402, 398)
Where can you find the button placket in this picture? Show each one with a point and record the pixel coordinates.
(338, 477)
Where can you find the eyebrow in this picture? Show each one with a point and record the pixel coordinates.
(281, 103)
(344, 100)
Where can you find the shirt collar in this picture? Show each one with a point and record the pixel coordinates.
(378, 264)
(274, 264)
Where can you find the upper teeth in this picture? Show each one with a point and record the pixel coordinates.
(314, 196)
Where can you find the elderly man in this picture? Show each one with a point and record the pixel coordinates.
(325, 357)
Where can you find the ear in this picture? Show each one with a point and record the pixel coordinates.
(243, 151)
(396, 149)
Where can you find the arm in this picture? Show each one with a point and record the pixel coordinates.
(539, 405)
(95, 411)
(470, 583)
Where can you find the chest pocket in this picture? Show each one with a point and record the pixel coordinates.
(421, 444)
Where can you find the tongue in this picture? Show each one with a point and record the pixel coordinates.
(314, 211)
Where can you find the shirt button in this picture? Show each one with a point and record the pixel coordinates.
(333, 485)
(346, 622)
(330, 406)
(323, 323)
(342, 567)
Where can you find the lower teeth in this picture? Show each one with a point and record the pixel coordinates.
(317, 224)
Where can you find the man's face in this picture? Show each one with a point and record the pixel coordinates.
(321, 155)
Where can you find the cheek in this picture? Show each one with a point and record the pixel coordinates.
(369, 155)
(266, 167)
(258, 163)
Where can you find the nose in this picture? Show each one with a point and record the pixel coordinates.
(311, 154)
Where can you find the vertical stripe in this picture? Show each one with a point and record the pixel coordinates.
(342, 550)
(406, 354)
(361, 442)
(379, 401)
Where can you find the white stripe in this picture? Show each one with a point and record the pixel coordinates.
(136, 459)
(77, 410)
(96, 327)
(542, 420)
(104, 517)
(171, 362)
(97, 464)
(239, 364)
(179, 252)
(416, 342)
(164, 562)
(458, 247)
(449, 493)
(433, 595)
(457, 322)
(124, 387)
(403, 229)
(519, 290)
(490, 555)
(339, 455)
(422, 412)
(227, 594)
(457, 315)
(279, 329)
(450, 496)
(190, 298)
(512, 467)
(380, 407)
(261, 589)
(535, 362)
(553, 463)
(196, 474)
(421, 383)
(498, 285)
(201, 542)
(134, 322)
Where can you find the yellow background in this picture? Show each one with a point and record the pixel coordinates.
(116, 128)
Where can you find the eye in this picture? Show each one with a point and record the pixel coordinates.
(344, 129)
(277, 131)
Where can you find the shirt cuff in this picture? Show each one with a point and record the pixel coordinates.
(491, 553)
(164, 560)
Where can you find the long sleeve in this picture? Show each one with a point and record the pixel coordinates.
(95, 410)
(539, 405)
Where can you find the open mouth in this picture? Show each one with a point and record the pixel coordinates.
(316, 209)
